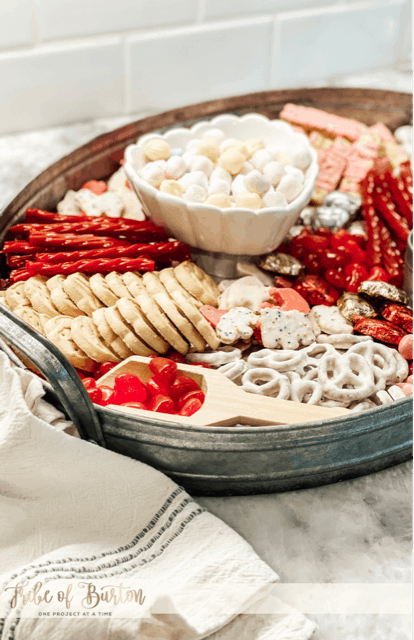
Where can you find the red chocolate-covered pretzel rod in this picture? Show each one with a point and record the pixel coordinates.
(383, 200)
(90, 266)
(166, 250)
(372, 221)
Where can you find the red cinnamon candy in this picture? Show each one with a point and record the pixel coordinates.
(316, 290)
(399, 315)
(382, 330)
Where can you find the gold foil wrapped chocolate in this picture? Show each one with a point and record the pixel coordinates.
(282, 264)
(351, 304)
(378, 291)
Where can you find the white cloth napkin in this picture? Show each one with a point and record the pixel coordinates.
(71, 511)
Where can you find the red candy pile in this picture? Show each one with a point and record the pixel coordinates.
(167, 391)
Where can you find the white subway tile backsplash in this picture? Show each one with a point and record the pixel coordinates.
(226, 8)
(314, 45)
(68, 18)
(15, 23)
(59, 84)
(176, 68)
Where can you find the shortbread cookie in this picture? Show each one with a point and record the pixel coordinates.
(110, 337)
(3, 299)
(32, 317)
(185, 305)
(161, 322)
(16, 297)
(39, 295)
(197, 282)
(170, 282)
(133, 282)
(157, 291)
(61, 299)
(126, 332)
(79, 290)
(102, 290)
(132, 313)
(87, 337)
(116, 284)
(58, 331)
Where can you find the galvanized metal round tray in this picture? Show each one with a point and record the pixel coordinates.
(216, 460)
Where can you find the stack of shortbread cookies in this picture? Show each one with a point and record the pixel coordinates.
(112, 317)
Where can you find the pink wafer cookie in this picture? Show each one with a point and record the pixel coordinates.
(315, 119)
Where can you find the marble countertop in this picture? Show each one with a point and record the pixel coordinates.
(357, 531)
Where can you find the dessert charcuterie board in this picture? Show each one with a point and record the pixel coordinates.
(301, 373)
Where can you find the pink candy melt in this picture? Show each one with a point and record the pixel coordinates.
(407, 388)
(289, 300)
(405, 347)
(212, 315)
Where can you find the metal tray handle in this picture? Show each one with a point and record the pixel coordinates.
(57, 370)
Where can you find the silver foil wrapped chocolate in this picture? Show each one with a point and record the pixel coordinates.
(282, 264)
(336, 211)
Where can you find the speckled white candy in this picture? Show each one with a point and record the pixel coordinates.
(195, 193)
(221, 174)
(214, 134)
(195, 177)
(238, 185)
(175, 167)
(219, 186)
(290, 186)
(153, 174)
(300, 157)
(256, 182)
(274, 199)
(274, 172)
(237, 324)
(260, 159)
(331, 320)
(201, 163)
(247, 168)
(285, 329)
(294, 171)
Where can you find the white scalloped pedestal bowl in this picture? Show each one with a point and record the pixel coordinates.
(233, 231)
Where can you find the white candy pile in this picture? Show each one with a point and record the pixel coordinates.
(227, 172)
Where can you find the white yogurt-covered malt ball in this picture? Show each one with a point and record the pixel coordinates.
(256, 182)
(238, 185)
(195, 177)
(232, 161)
(290, 186)
(219, 200)
(201, 163)
(249, 201)
(221, 174)
(260, 159)
(172, 187)
(300, 157)
(177, 151)
(175, 168)
(210, 149)
(214, 134)
(219, 186)
(157, 149)
(274, 172)
(294, 171)
(274, 199)
(253, 145)
(153, 174)
(247, 168)
(273, 149)
(195, 193)
(283, 157)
